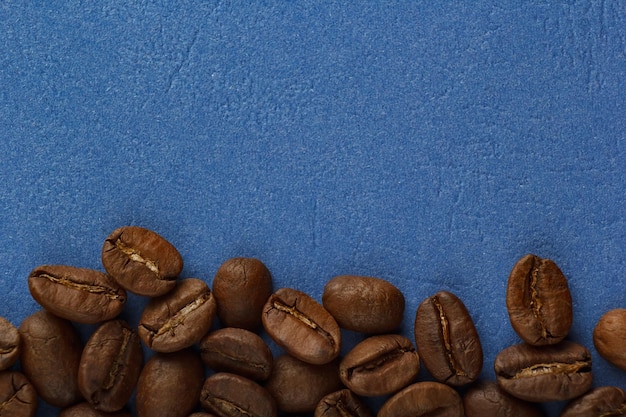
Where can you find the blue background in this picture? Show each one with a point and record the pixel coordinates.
(428, 143)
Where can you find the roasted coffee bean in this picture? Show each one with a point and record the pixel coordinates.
(301, 326)
(539, 302)
(298, 386)
(86, 410)
(599, 402)
(241, 287)
(230, 395)
(77, 294)
(488, 399)
(9, 344)
(609, 335)
(178, 319)
(424, 399)
(238, 351)
(169, 385)
(364, 304)
(342, 403)
(110, 366)
(50, 357)
(380, 365)
(546, 373)
(447, 340)
(141, 261)
(18, 397)
(201, 415)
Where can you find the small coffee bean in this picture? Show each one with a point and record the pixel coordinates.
(488, 399)
(141, 261)
(539, 302)
(77, 294)
(9, 344)
(86, 410)
(424, 399)
(110, 365)
(178, 319)
(364, 304)
(599, 402)
(18, 397)
(380, 365)
(342, 403)
(447, 341)
(609, 335)
(241, 287)
(301, 326)
(238, 351)
(230, 395)
(50, 357)
(547, 373)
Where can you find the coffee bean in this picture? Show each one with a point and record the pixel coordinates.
(241, 287)
(77, 294)
(9, 344)
(539, 302)
(301, 326)
(364, 304)
(546, 373)
(230, 395)
(486, 398)
(50, 356)
(609, 335)
(86, 410)
(424, 399)
(599, 402)
(238, 351)
(141, 261)
(18, 397)
(201, 415)
(342, 403)
(110, 366)
(380, 365)
(447, 341)
(178, 319)
(169, 385)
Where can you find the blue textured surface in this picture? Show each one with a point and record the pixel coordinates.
(428, 144)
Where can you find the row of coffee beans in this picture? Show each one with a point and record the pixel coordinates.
(100, 377)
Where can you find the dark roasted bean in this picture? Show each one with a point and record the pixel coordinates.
(18, 397)
(599, 402)
(488, 399)
(230, 395)
(342, 403)
(424, 399)
(9, 344)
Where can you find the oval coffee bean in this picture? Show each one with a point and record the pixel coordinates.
(50, 357)
(241, 287)
(9, 344)
(538, 301)
(230, 395)
(380, 365)
(238, 351)
(342, 403)
(424, 399)
(18, 397)
(178, 319)
(447, 341)
(609, 335)
(301, 326)
(110, 366)
(169, 385)
(488, 399)
(364, 304)
(547, 373)
(599, 402)
(86, 410)
(77, 294)
(141, 261)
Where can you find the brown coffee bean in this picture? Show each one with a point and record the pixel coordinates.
(178, 319)
(241, 287)
(423, 399)
(50, 356)
(539, 302)
(364, 304)
(238, 351)
(201, 415)
(342, 403)
(301, 326)
(110, 366)
(609, 335)
(141, 261)
(86, 410)
(447, 341)
(547, 373)
(599, 402)
(77, 294)
(298, 386)
(230, 395)
(488, 399)
(380, 365)
(9, 344)
(18, 397)
(169, 385)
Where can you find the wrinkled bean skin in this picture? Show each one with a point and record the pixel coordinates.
(18, 397)
(342, 403)
(609, 335)
(229, 395)
(86, 410)
(9, 344)
(486, 398)
(599, 402)
(424, 399)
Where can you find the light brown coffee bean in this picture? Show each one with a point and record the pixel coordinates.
(18, 397)
(342, 403)
(424, 399)
(86, 410)
(229, 395)
(9, 344)
(599, 402)
(609, 335)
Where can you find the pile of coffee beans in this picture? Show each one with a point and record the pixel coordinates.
(198, 368)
